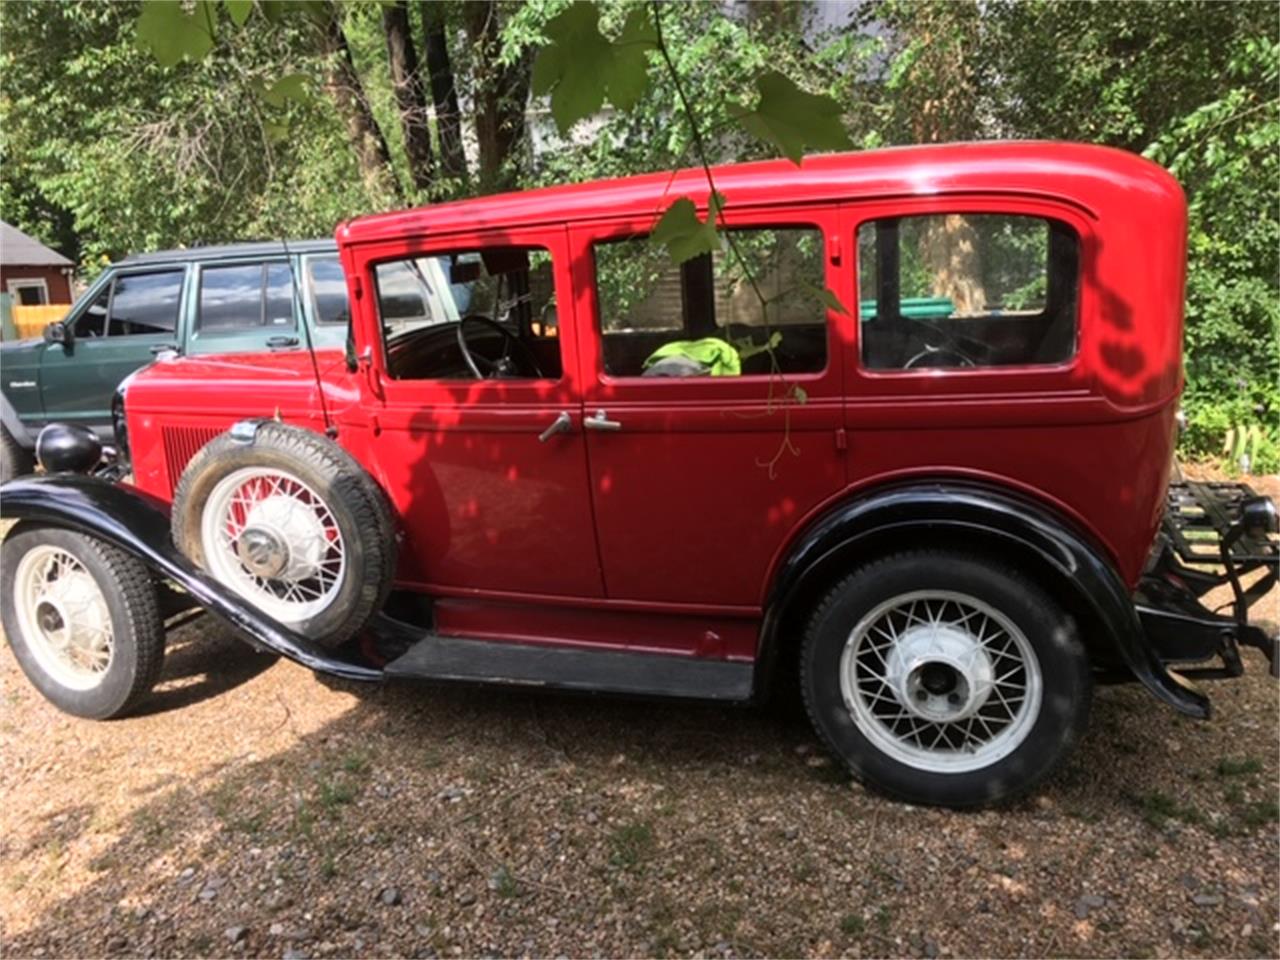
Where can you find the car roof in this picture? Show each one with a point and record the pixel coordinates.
(1087, 176)
(227, 251)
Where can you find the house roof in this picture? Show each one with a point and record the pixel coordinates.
(18, 249)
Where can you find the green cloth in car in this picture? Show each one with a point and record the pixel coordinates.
(718, 356)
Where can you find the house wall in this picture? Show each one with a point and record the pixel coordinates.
(57, 281)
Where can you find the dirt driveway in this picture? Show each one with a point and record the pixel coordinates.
(257, 812)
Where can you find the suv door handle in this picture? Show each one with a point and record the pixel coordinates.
(562, 424)
(160, 348)
(600, 421)
(280, 340)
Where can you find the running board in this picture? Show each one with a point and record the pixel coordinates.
(437, 657)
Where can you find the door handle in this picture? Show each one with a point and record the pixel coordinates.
(281, 340)
(600, 421)
(563, 423)
(160, 348)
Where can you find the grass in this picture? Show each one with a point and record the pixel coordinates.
(335, 794)
(1157, 808)
(883, 919)
(853, 924)
(505, 883)
(632, 844)
(355, 762)
(1245, 766)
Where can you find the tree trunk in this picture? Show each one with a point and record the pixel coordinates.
(951, 254)
(501, 92)
(411, 100)
(342, 83)
(444, 92)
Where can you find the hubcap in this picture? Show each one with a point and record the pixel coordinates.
(941, 681)
(64, 617)
(275, 541)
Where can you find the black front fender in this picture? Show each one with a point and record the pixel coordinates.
(857, 531)
(138, 524)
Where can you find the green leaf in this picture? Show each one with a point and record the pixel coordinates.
(683, 234)
(827, 297)
(630, 74)
(239, 10)
(292, 86)
(799, 394)
(171, 34)
(791, 119)
(580, 67)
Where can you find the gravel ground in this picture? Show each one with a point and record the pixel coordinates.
(257, 811)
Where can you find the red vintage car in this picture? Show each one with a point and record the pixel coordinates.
(906, 435)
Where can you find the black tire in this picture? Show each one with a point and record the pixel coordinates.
(136, 626)
(1052, 731)
(353, 498)
(15, 459)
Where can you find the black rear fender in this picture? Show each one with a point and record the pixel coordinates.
(981, 519)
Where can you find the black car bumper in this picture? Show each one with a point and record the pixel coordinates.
(1214, 535)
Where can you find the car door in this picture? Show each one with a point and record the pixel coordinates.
(244, 306)
(698, 480)
(114, 333)
(489, 476)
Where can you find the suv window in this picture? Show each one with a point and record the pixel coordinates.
(964, 290)
(422, 299)
(243, 296)
(647, 304)
(328, 290)
(144, 303)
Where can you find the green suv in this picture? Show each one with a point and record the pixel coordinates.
(227, 299)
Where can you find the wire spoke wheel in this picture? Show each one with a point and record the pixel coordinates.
(273, 539)
(64, 617)
(941, 681)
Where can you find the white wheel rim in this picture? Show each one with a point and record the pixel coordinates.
(275, 541)
(64, 618)
(941, 681)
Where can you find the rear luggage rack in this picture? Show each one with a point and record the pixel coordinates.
(1213, 535)
(1199, 515)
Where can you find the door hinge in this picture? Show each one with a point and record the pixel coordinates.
(842, 439)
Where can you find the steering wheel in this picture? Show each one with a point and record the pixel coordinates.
(503, 366)
(932, 356)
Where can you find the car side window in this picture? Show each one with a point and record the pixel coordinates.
(749, 308)
(92, 321)
(963, 290)
(328, 290)
(145, 303)
(503, 298)
(245, 296)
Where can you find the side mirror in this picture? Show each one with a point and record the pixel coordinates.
(59, 332)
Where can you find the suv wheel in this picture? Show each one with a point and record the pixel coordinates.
(82, 618)
(293, 524)
(15, 459)
(943, 678)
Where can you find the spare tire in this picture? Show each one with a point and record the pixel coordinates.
(291, 522)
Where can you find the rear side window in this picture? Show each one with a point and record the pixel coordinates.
(966, 290)
(706, 316)
(143, 303)
(245, 296)
(328, 290)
